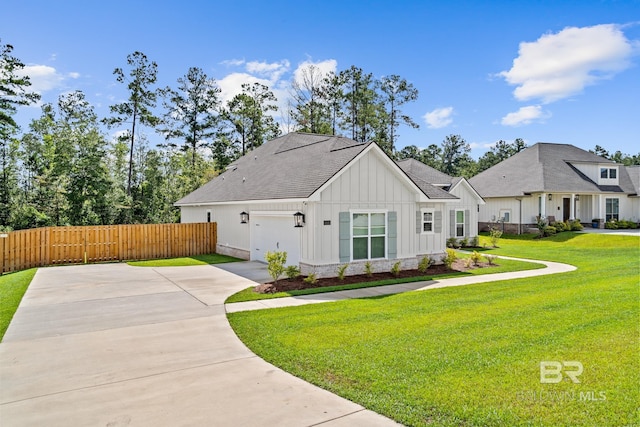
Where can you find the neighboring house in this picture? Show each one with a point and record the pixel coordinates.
(558, 182)
(326, 201)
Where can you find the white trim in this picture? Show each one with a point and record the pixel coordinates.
(240, 202)
(432, 211)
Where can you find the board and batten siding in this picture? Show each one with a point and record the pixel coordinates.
(231, 233)
(468, 202)
(367, 184)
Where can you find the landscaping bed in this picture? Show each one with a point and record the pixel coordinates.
(285, 285)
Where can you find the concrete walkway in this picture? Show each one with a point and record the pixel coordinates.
(551, 268)
(114, 345)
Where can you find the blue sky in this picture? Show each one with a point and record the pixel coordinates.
(552, 71)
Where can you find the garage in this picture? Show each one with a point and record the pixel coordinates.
(274, 232)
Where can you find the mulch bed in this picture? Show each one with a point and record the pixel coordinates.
(284, 285)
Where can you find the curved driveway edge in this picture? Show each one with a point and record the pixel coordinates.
(115, 345)
(550, 268)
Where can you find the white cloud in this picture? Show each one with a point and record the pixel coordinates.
(324, 67)
(272, 70)
(231, 84)
(74, 75)
(439, 118)
(233, 62)
(43, 77)
(560, 65)
(525, 116)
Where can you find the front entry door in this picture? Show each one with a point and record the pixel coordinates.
(566, 208)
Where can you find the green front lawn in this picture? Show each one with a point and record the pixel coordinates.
(185, 261)
(471, 355)
(502, 266)
(12, 288)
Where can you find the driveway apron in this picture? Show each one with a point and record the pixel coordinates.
(116, 345)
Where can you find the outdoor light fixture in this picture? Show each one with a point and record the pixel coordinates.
(577, 197)
(550, 197)
(244, 217)
(298, 219)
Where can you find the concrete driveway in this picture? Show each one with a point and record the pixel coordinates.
(114, 345)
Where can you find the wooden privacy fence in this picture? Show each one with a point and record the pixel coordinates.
(39, 247)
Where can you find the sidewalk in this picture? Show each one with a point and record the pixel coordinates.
(551, 268)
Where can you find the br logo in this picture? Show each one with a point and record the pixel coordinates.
(551, 372)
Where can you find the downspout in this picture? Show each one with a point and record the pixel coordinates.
(519, 199)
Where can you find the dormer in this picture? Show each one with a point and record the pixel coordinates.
(608, 174)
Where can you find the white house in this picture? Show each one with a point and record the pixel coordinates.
(328, 200)
(559, 182)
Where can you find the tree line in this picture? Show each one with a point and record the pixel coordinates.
(64, 170)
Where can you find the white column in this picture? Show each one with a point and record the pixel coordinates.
(543, 205)
(572, 208)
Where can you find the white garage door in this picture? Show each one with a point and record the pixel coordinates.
(275, 233)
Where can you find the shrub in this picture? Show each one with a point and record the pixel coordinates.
(424, 264)
(490, 259)
(476, 258)
(452, 242)
(559, 226)
(342, 271)
(367, 269)
(395, 270)
(549, 230)
(450, 258)
(464, 242)
(467, 263)
(474, 242)
(611, 225)
(292, 271)
(575, 225)
(311, 279)
(494, 235)
(275, 263)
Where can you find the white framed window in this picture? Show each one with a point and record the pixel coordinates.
(368, 235)
(505, 215)
(460, 231)
(428, 217)
(609, 173)
(612, 209)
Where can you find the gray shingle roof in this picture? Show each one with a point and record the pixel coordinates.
(289, 167)
(427, 178)
(634, 176)
(545, 167)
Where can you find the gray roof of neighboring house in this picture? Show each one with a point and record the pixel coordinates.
(546, 167)
(289, 167)
(634, 175)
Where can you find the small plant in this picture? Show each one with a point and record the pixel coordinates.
(476, 258)
(549, 230)
(292, 271)
(491, 259)
(452, 242)
(468, 262)
(342, 271)
(541, 223)
(464, 242)
(424, 264)
(494, 235)
(450, 258)
(311, 279)
(474, 242)
(275, 263)
(395, 270)
(367, 269)
(576, 225)
(611, 225)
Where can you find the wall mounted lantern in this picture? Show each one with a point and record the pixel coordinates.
(577, 197)
(550, 197)
(244, 217)
(298, 219)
